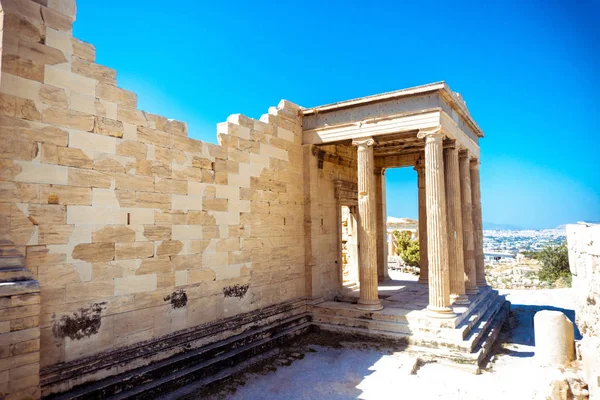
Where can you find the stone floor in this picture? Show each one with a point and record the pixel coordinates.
(404, 300)
(347, 369)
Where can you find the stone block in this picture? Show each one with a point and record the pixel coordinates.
(95, 216)
(156, 265)
(54, 234)
(185, 202)
(134, 182)
(47, 214)
(105, 198)
(152, 200)
(41, 173)
(113, 234)
(73, 157)
(108, 127)
(65, 195)
(132, 149)
(169, 248)
(94, 71)
(53, 96)
(116, 95)
(83, 50)
(214, 204)
(94, 252)
(57, 20)
(89, 178)
(18, 149)
(134, 250)
(135, 284)
(89, 291)
(84, 103)
(185, 232)
(157, 232)
(165, 185)
(92, 141)
(131, 116)
(59, 40)
(59, 77)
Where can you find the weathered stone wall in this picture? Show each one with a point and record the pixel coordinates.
(132, 229)
(584, 259)
(324, 165)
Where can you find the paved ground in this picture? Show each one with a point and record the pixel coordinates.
(322, 369)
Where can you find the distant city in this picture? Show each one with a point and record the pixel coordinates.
(515, 241)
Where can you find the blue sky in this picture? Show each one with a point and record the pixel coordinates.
(528, 71)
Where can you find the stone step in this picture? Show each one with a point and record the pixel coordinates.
(396, 327)
(13, 273)
(170, 374)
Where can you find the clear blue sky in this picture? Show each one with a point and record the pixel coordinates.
(529, 73)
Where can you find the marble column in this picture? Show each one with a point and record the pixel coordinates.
(382, 268)
(467, 222)
(367, 227)
(437, 229)
(455, 229)
(423, 265)
(477, 223)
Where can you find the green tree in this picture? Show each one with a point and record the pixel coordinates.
(407, 248)
(555, 263)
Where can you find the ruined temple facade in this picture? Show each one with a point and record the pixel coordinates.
(123, 242)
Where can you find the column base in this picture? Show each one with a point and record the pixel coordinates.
(440, 312)
(459, 299)
(424, 280)
(472, 290)
(481, 283)
(369, 306)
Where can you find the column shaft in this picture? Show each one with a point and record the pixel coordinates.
(455, 229)
(477, 224)
(437, 230)
(382, 270)
(467, 219)
(367, 228)
(423, 264)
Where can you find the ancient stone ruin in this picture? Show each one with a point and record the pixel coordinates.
(125, 243)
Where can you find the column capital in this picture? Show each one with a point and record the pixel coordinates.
(450, 144)
(474, 163)
(379, 171)
(365, 141)
(435, 132)
(464, 153)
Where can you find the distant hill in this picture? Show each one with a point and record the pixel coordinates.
(500, 227)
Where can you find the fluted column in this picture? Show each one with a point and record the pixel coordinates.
(437, 230)
(477, 223)
(367, 227)
(382, 267)
(455, 229)
(467, 220)
(423, 265)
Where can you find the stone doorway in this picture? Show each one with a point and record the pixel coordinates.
(349, 246)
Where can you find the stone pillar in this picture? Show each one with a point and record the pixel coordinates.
(382, 270)
(455, 229)
(477, 224)
(423, 265)
(367, 227)
(467, 222)
(554, 338)
(437, 229)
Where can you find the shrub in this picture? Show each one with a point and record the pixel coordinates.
(555, 264)
(407, 248)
